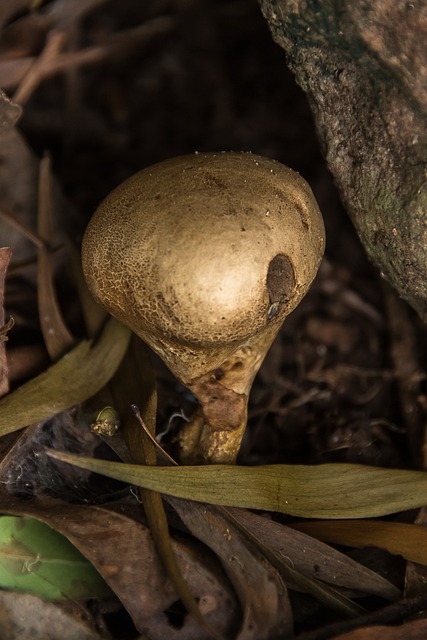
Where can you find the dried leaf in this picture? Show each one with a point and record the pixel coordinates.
(263, 595)
(329, 491)
(74, 378)
(316, 559)
(407, 540)
(122, 550)
(57, 337)
(328, 595)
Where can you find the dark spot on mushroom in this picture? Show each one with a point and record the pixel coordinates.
(280, 283)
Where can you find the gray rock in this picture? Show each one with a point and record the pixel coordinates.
(363, 66)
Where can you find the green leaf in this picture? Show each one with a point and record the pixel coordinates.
(37, 559)
(74, 378)
(328, 491)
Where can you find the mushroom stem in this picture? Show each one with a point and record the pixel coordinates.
(215, 432)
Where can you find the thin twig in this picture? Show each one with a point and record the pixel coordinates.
(54, 43)
(121, 43)
(19, 226)
(153, 440)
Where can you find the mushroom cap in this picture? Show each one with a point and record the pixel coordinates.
(198, 254)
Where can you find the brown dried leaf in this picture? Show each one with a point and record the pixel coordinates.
(316, 559)
(57, 337)
(327, 594)
(262, 593)
(122, 551)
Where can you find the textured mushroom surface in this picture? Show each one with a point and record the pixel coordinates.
(198, 253)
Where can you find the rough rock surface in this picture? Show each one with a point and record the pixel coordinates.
(363, 65)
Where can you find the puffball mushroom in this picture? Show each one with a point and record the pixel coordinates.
(203, 256)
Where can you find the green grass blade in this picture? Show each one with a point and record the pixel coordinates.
(328, 491)
(37, 559)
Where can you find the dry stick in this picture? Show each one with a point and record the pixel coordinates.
(19, 226)
(117, 44)
(164, 454)
(32, 79)
(57, 337)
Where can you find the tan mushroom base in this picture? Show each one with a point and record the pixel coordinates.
(215, 432)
